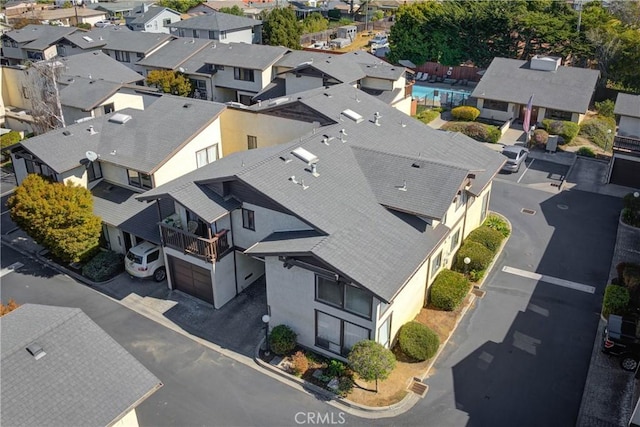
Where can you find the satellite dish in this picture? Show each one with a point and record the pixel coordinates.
(91, 156)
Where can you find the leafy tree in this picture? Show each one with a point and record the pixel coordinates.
(371, 361)
(377, 15)
(280, 28)
(5, 309)
(181, 6)
(170, 82)
(58, 216)
(234, 10)
(314, 23)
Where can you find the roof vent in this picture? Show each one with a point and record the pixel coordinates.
(187, 105)
(91, 130)
(285, 158)
(402, 187)
(120, 118)
(66, 133)
(36, 350)
(376, 118)
(353, 115)
(417, 165)
(341, 136)
(314, 169)
(305, 155)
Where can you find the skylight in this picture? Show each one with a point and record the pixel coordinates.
(305, 155)
(120, 118)
(87, 39)
(353, 115)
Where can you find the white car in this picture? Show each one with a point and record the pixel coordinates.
(146, 260)
(102, 24)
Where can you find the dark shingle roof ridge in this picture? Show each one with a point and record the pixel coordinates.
(286, 149)
(71, 313)
(416, 158)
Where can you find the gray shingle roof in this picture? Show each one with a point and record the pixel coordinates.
(119, 6)
(287, 243)
(374, 66)
(89, 39)
(339, 67)
(511, 80)
(363, 239)
(243, 55)
(117, 206)
(123, 39)
(40, 36)
(216, 21)
(203, 201)
(143, 143)
(627, 105)
(86, 94)
(174, 53)
(152, 12)
(99, 66)
(85, 379)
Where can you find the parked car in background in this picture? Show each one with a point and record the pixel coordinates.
(516, 155)
(379, 40)
(102, 24)
(620, 338)
(146, 260)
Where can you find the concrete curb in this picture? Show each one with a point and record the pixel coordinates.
(411, 398)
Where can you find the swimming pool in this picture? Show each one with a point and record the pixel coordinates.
(438, 96)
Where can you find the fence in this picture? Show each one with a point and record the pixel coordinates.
(456, 73)
(327, 35)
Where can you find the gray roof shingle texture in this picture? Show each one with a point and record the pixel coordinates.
(511, 80)
(216, 21)
(98, 66)
(152, 12)
(40, 37)
(85, 379)
(143, 143)
(242, 55)
(364, 241)
(122, 39)
(627, 105)
(174, 53)
(86, 94)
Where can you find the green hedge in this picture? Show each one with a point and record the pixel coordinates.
(104, 266)
(605, 108)
(465, 113)
(427, 116)
(478, 131)
(586, 152)
(497, 223)
(282, 339)
(448, 290)
(567, 130)
(616, 300)
(486, 236)
(418, 341)
(480, 256)
(9, 138)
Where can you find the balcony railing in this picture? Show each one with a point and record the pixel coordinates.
(631, 143)
(188, 243)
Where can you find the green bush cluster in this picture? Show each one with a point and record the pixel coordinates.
(465, 113)
(498, 224)
(631, 210)
(10, 138)
(540, 137)
(599, 130)
(586, 152)
(449, 289)
(427, 116)
(616, 299)
(418, 341)
(629, 277)
(486, 236)
(605, 108)
(478, 131)
(103, 266)
(567, 130)
(282, 339)
(479, 255)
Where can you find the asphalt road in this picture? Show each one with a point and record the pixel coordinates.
(201, 387)
(520, 356)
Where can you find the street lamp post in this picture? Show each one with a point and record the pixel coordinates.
(265, 319)
(466, 261)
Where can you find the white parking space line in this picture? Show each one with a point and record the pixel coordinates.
(549, 279)
(10, 269)
(525, 171)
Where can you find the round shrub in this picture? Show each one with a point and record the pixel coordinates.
(418, 341)
(586, 152)
(465, 113)
(497, 223)
(616, 300)
(487, 236)
(567, 130)
(480, 256)
(10, 138)
(448, 290)
(540, 137)
(282, 339)
(103, 266)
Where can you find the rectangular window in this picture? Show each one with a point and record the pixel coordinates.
(436, 263)
(490, 104)
(337, 335)
(252, 142)
(6, 43)
(219, 67)
(122, 56)
(14, 43)
(248, 219)
(455, 239)
(194, 34)
(139, 179)
(243, 74)
(207, 155)
(344, 296)
(223, 35)
(461, 199)
(212, 35)
(108, 108)
(139, 55)
(25, 92)
(485, 206)
(94, 171)
(384, 332)
(558, 115)
(166, 22)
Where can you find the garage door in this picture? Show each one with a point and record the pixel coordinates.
(191, 279)
(626, 172)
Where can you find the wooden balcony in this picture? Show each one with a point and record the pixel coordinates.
(192, 244)
(628, 143)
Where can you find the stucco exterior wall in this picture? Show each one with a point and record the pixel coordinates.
(226, 78)
(376, 84)
(475, 214)
(237, 124)
(266, 222)
(629, 126)
(241, 36)
(224, 281)
(185, 160)
(129, 420)
(403, 104)
(76, 176)
(116, 240)
(13, 82)
(115, 174)
(249, 270)
(295, 84)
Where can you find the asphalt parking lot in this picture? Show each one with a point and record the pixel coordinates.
(536, 171)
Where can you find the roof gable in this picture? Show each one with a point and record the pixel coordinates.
(216, 21)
